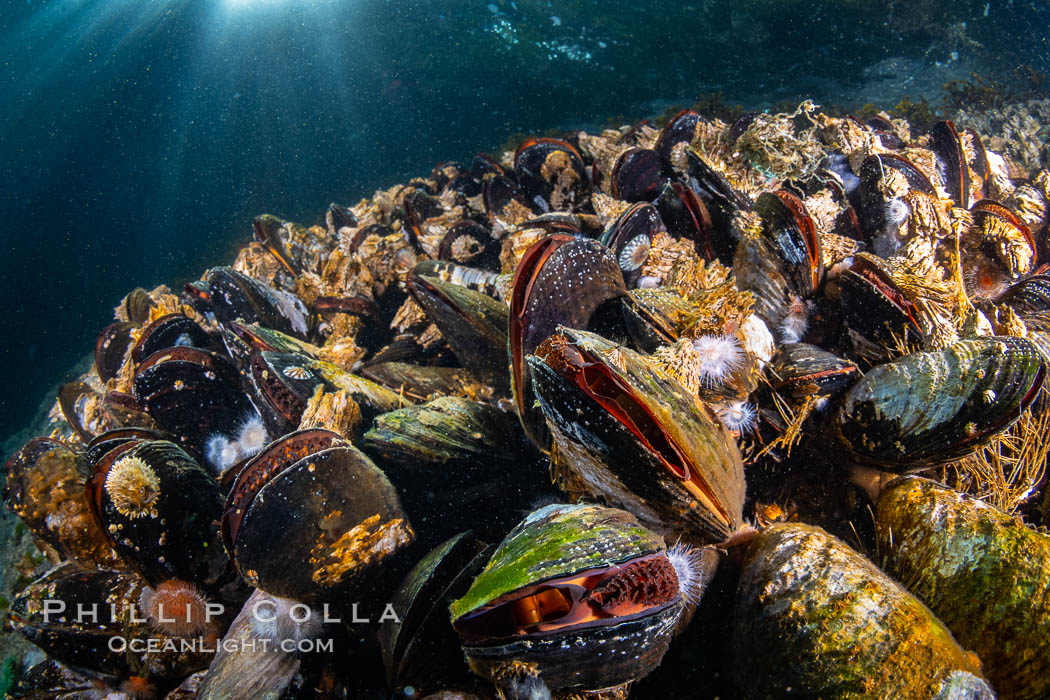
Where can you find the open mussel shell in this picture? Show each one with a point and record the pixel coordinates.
(552, 170)
(561, 281)
(686, 216)
(473, 324)
(582, 596)
(989, 583)
(421, 649)
(629, 238)
(629, 434)
(813, 618)
(159, 508)
(312, 516)
(45, 488)
(233, 295)
(99, 626)
(932, 407)
(191, 393)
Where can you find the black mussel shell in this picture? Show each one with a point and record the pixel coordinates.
(267, 230)
(234, 296)
(444, 172)
(172, 330)
(312, 515)
(639, 175)
(629, 238)
(111, 439)
(137, 305)
(110, 348)
(466, 185)
(473, 324)
(681, 129)
(484, 166)
(422, 649)
(723, 201)
(498, 192)
(874, 307)
(469, 243)
(788, 226)
(363, 233)
(989, 208)
(801, 370)
(45, 488)
(418, 382)
(561, 281)
(191, 393)
(419, 206)
(283, 383)
(338, 217)
(932, 407)
(949, 149)
(159, 508)
(742, 124)
(871, 198)
(552, 170)
(113, 642)
(685, 216)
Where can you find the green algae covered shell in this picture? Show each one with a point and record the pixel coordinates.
(814, 618)
(984, 573)
(555, 541)
(932, 407)
(602, 646)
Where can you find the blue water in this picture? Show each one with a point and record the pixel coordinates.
(139, 137)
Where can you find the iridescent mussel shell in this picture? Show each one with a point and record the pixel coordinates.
(311, 516)
(984, 573)
(932, 407)
(629, 434)
(581, 596)
(815, 619)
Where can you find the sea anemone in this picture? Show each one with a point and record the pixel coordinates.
(132, 486)
(738, 416)
(175, 607)
(634, 253)
(251, 436)
(693, 572)
(895, 213)
(221, 453)
(719, 356)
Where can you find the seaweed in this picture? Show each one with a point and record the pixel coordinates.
(919, 115)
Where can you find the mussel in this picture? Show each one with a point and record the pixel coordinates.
(581, 597)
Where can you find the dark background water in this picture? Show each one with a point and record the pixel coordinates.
(139, 137)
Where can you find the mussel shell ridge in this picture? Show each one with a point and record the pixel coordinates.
(931, 407)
